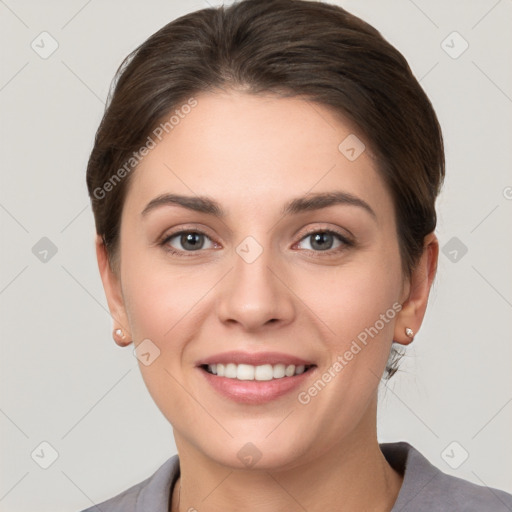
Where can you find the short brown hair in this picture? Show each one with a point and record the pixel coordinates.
(310, 49)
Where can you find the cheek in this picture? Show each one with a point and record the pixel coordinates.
(157, 295)
(358, 303)
(354, 296)
(161, 307)
(158, 303)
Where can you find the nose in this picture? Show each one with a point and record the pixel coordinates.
(255, 294)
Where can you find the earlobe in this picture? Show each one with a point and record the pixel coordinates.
(414, 306)
(120, 337)
(112, 286)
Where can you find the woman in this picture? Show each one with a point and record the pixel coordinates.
(264, 183)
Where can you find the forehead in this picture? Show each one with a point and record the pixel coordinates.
(244, 149)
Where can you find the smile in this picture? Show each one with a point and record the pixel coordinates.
(255, 377)
(263, 372)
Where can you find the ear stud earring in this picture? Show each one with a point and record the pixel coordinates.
(119, 333)
(120, 337)
(409, 332)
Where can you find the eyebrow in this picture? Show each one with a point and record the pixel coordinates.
(309, 202)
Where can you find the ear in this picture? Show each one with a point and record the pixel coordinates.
(112, 286)
(415, 303)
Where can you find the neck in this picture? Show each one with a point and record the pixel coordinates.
(352, 476)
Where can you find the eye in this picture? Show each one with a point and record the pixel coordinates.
(324, 240)
(187, 241)
(183, 243)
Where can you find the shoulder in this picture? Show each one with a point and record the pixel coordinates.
(151, 494)
(426, 488)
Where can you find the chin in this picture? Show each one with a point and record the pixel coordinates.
(259, 454)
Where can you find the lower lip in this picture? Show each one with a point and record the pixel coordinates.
(255, 391)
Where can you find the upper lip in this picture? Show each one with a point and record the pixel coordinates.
(254, 359)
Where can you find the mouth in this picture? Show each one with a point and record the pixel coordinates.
(249, 372)
(256, 378)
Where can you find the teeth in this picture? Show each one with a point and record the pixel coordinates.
(250, 372)
(279, 371)
(230, 371)
(290, 370)
(245, 372)
(264, 372)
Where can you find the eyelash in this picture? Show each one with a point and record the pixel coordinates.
(347, 243)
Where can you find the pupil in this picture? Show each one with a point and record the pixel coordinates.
(192, 239)
(320, 238)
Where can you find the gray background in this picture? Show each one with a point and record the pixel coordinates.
(66, 383)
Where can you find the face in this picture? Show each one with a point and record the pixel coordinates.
(269, 278)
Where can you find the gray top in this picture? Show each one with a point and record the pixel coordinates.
(424, 489)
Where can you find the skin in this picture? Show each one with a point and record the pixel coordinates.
(252, 155)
